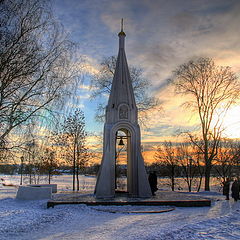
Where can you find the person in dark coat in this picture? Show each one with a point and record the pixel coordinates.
(235, 190)
(152, 178)
(226, 188)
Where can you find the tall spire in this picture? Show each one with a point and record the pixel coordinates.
(122, 33)
(121, 90)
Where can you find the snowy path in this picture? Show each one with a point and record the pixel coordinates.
(20, 220)
(31, 220)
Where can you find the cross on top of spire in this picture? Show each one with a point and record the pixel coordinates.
(122, 33)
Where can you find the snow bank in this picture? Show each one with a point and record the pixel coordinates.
(32, 220)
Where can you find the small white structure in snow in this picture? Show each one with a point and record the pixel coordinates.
(122, 115)
(34, 193)
(53, 186)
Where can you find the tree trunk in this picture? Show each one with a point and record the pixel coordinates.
(30, 168)
(173, 183)
(172, 178)
(30, 176)
(77, 175)
(200, 183)
(49, 177)
(207, 178)
(74, 169)
(207, 164)
(73, 178)
(74, 165)
(200, 172)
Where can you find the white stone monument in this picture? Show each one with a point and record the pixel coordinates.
(122, 115)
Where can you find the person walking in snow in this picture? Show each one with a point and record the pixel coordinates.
(235, 190)
(152, 178)
(226, 188)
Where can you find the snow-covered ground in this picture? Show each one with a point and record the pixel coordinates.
(32, 220)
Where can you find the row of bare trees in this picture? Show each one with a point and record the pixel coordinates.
(184, 160)
(38, 71)
(72, 140)
(211, 90)
(42, 156)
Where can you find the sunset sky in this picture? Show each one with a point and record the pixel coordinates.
(161, 34)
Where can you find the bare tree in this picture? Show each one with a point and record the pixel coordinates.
(83, 157)
(213, 90)
(228, 153)
(102, 82)
(199, 160)
(167, 155)
(34, 56)
(73, 138)
(188, 164)
(29, 151)
(49, 163)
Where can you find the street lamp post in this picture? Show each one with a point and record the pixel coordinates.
(190, 174)
(22, 158)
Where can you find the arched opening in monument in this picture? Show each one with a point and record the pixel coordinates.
(122, 156)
